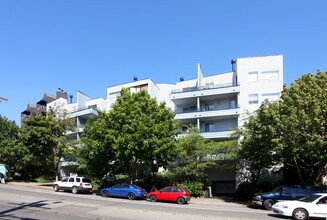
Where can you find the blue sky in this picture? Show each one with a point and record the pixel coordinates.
(90, 45)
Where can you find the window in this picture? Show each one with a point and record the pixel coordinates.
(209, 127)
(167, 190)
(253, 76)
(71, 179)
(209, 107)
(269, 75)
(253, 99)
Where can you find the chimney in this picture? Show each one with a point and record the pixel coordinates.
(135, 78)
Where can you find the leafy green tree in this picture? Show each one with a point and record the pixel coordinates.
(258, 142)
(11, 151)
(303, 114)
(291, 132)
(196, 154)
(136, 135)
(45, 137)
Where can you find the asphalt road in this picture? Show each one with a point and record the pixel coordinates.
(26, 203)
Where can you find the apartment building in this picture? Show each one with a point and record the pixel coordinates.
(84, 108)
(41, 106)
(217, 104)
(214, 103)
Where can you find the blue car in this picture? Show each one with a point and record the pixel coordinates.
(124, 190)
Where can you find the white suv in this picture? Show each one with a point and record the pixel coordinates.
(74, 183)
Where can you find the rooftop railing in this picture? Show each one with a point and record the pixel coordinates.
(195, 88)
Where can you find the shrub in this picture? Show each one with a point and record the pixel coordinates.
(245, 191)
(195, 188)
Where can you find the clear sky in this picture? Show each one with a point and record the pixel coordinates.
(88, 45)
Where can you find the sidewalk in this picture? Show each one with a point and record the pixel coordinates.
(214, 201)
(218, 201)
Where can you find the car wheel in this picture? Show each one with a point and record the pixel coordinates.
(56, 188)
(180, 200)
(153, 198)
(74, 190)
(105, 194)
(131, 196)
(300, 214)
(268, 203)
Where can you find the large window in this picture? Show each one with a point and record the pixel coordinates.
(269, 75)
(252, 76)
(253, 99)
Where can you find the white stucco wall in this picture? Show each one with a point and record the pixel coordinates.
(259, 65)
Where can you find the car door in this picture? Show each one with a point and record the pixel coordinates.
(115, 190)
(63, 183)
(320, 209)
(70, 183)
(288, 194)
(124, 190)
(166, 194)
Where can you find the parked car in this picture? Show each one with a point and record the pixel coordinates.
(170, 193)
(266, 200)
(124, 190)
(314, 205)
(75, 184)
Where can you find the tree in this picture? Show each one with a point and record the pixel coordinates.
(291, 132)
(11, 151)
(196, 154)
(258, 142)
(303, 114)
(46, 139)
(136, 135)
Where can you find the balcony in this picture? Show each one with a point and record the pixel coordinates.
(214, 135)
(217, 89)
(207, 113)
(84, 112)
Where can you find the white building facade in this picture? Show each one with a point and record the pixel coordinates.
(216, 104)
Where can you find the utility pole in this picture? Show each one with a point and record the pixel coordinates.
(3, 99)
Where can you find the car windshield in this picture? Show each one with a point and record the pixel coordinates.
(310, 198)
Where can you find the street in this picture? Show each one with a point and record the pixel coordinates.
(22, 202)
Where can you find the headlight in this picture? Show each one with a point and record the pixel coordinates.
(280, 206)
(258, 198)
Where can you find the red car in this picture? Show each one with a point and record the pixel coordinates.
(170, 193)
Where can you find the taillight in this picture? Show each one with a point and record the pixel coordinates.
(80, 184)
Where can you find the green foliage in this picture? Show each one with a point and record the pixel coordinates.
(135, 136)
(291, 132)
(45, 138)
(303, 127)
(196, 154)
(245, 191)
(11, 150)
(258, 141)
(195, 188)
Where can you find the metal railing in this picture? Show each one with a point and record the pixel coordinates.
(216, 86)
(204, 109)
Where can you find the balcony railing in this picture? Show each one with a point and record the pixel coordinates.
(204, 109)
(216, 86)
(82, 108)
